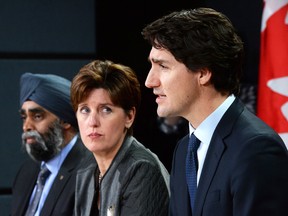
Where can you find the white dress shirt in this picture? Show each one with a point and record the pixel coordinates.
(206, 129)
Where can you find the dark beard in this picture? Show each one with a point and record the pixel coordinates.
(46, 145)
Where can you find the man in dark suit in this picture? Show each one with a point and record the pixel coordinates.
(50, 137)
(241, 164)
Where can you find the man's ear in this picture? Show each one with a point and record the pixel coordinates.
(65, 125)
(205, 76)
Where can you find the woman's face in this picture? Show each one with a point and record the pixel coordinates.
(102, 125)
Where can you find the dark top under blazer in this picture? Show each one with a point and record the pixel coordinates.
(245, 172)
(61, 199)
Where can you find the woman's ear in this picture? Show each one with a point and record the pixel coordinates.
(130, 116)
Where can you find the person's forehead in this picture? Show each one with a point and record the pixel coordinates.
(31, 106)
(161, 55)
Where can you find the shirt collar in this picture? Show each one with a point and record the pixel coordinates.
(206, 129)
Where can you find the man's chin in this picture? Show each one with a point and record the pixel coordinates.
(161, 113)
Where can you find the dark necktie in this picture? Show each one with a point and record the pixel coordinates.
(192, 167)
(43, 175)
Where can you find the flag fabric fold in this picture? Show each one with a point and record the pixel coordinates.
(272, 98)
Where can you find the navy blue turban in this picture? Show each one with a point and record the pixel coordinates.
(50, 91)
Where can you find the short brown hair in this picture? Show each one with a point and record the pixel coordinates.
(118, 80)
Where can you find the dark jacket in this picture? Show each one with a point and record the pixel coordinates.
(245, 172)
(61, 197)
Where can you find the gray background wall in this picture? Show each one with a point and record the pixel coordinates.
(59, 37)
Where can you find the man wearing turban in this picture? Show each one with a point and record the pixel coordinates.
(50, 137)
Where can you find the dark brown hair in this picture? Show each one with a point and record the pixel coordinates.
(201, 38)
(118, 80)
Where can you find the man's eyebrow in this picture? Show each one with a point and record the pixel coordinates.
(155, 60)
(32, 110)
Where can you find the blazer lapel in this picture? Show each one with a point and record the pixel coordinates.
(89, 179)
(70, 163)
(210, 166)
(215, 152)
(55, 191)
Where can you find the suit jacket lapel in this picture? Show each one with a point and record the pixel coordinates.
(64, 174)
(215, 152)
(87, 178)
(210, 166)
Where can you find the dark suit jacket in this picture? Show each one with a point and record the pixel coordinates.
(245, 172)
(60, 200)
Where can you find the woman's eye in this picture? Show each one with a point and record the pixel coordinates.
(106, 109)
(84, 110)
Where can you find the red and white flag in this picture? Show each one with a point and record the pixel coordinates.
(272, 104)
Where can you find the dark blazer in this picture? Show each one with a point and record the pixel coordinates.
(61, 198)
(245, 172)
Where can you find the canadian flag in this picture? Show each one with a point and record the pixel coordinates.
(272, 103)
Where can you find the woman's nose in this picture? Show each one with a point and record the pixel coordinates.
(93, 120)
